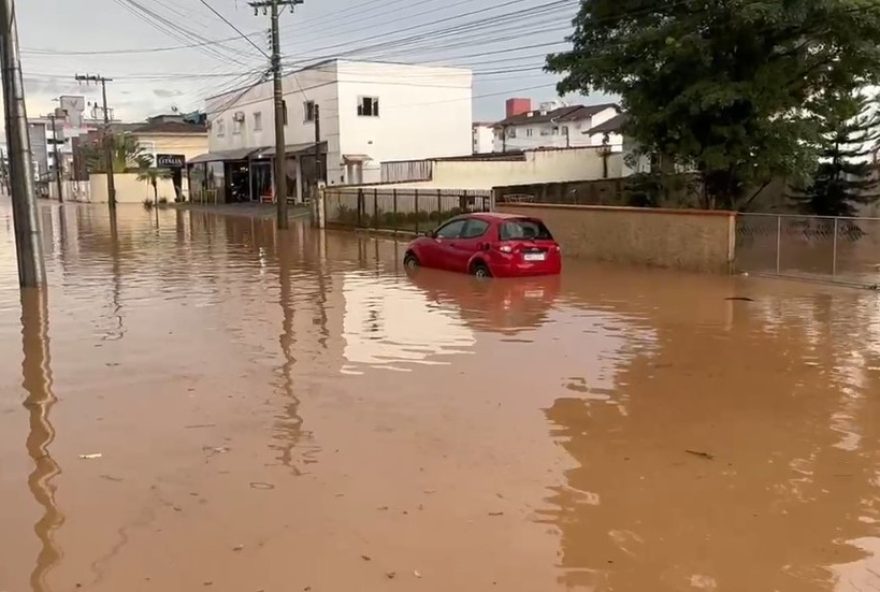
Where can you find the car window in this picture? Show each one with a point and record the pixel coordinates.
(475, 228)
(451, 230)
(524, 229)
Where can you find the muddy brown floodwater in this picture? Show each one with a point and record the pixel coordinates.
(209, 404)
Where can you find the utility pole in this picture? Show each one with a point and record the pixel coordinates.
(28, 247)
(319, 176)
(107, 138)
(273, 7)
(57, 158)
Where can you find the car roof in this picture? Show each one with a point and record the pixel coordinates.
(495, 216)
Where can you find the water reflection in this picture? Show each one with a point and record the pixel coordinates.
(37, 382)
(754, 446)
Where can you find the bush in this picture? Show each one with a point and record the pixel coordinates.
(163, 201)
(148, 204)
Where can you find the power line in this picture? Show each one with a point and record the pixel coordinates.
(236, 29)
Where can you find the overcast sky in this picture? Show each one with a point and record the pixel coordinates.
(503, 41)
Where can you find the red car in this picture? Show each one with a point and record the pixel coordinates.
(488, 245)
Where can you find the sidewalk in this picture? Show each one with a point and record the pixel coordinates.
(248, 210)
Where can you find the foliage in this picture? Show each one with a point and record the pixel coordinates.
(394, 221)
(845, 177)
(128, 155)
(730, 89)
(151, 176)
(148, 204)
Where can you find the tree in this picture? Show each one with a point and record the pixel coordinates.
(128, 154)
(151, 176)
(729, 89)
(844, 178)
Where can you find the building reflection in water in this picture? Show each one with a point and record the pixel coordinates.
(37, 382)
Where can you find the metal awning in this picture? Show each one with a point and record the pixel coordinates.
(222, 155)
(356, 157)
(291, 150)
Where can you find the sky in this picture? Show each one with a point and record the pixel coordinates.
(503, 41)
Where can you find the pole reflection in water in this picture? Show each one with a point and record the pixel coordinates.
(37, 382)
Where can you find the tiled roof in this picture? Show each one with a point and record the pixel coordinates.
(570, 113)
(612, 125)
(170, 127)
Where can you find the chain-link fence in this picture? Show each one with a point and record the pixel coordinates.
(845, 250)
(405, 209)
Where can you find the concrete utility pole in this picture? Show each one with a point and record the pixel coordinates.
(273, 7)
(57, 159)
(107, 138)
(28, 247)
(319, 176)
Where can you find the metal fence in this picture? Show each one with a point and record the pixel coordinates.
(845, 250)
(411, 210)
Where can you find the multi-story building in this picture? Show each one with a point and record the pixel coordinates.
(353, 114)
(554, 125)
(484, 137)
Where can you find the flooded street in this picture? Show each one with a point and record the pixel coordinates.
(206, 404)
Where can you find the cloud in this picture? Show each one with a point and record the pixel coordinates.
(166, 94)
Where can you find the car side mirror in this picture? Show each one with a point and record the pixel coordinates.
(431, 234)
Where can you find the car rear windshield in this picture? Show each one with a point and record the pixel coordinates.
(524, 229)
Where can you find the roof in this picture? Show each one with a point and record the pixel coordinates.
(170, 127)
(570, 113)
(612, 125)
(240, 154)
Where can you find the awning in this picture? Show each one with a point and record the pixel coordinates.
(239, 154)
(291, 150)
(356, 157)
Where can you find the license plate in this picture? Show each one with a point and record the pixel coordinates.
(534, 256)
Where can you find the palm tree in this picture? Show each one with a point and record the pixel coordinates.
(151, 176)
(127, 154)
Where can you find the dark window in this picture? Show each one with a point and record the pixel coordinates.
(451, 230)
(475, 228)
(368, 106)
(524, 229)
(309, 110)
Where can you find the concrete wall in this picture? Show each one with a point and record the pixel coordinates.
(540, 166)
(691, 240)
(128, 188)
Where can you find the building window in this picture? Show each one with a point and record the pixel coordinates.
(258, 121)
(237, 124)
(564, 130)
(511, 132)
(555, 130)
(309, 110)
(529, 132)
(221, 127)
(368, 106)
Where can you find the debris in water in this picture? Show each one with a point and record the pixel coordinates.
(382, 508)
(261, 485)
(417, 573)
(238, 548)
(390, 574)
(494, 514)
(366, 558)
(705, 455)
(739, 299)
(92, 456)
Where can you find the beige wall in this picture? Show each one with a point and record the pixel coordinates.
(691, 240)
(539, 166)
(128, 188)
(190, 145)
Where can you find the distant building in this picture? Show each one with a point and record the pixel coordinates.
(484, 137)
(553, 125)
(369, 113)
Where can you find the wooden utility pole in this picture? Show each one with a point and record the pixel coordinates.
(274, 7)
(28, 247)
(57, 158)
(107, 138)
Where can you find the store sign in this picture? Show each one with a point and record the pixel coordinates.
(170, 161)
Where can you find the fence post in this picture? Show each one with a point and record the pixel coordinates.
(778, 244)
(360, 206)
(417, 209)
(834, 256)
(375, 208)
(394, 207)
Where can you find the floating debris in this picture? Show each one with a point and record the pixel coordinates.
(701, 454)
(92, 456)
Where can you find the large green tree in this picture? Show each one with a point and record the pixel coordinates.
(845, 177)
(128, 154)
(728, 88)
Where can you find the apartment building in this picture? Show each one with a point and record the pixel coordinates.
(554, 125)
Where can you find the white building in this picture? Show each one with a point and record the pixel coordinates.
(553, 125)
(369, 113)
(484, 137)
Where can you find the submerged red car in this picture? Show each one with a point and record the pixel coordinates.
(488, 245)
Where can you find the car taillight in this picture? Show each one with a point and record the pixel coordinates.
(505, 249)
